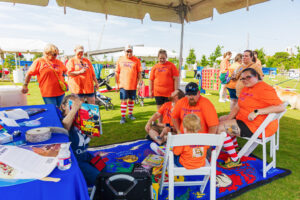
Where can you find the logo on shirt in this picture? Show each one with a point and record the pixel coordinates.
(127, 64)
(162, 69)
(187, 111)
(198, 152)
(244, 95)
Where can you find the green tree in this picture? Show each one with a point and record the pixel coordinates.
(204, 62)
(37, 55)
(261, 55)
(175, 61)
(282, 61)
(9, 62)
(213, 56)
(191, 59)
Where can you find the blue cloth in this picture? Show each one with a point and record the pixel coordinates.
(176, 161)
(127, 94)
(54, 100)
(97, 69)
(72, 184)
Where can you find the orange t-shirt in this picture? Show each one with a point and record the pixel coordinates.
(48, 82)
(192, 156)
(239, 84)
(128, 70)
(204, 109)
(165, 110)
(82, 83)
(232, 69)
(162, 76)
(261, 95)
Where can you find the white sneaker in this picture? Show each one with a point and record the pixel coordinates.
(228, 99)
(222, 100)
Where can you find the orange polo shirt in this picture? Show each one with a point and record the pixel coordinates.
(165, 110)
(82, 83)
(261, 95)
(162, 77)
(48, 82)
(191, 157)
(204, 109)
(128, 70)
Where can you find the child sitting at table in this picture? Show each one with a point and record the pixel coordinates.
(79, 140)
(192, 156)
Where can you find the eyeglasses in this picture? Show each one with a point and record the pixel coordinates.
(246, 78)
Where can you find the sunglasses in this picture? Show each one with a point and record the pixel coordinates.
(129, 51)
(246, 78)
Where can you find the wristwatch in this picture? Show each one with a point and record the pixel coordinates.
(256, 112)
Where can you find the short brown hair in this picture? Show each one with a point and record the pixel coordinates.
(191, 123)
(238, 57)
(162, 51)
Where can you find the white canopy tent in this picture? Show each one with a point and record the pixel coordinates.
(176, 11)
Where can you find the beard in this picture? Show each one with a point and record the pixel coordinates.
(171, 98)
(192, 102)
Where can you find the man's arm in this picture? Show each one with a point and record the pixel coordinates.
(150, 88)
(139, 78)
(232, 114)
(176, 123)
(154, 117)
(212, 129)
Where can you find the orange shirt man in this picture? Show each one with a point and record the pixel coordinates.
(163, 79)
(197, 104)
(128, 75)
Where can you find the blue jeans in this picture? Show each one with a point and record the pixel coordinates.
(54, 100)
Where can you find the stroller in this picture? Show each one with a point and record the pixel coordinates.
(100, 99)
(143, 92)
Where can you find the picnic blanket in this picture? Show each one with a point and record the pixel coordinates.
(230, 182)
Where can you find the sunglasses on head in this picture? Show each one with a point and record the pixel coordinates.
(246, 78)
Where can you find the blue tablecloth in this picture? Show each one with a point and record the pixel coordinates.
(72, 184)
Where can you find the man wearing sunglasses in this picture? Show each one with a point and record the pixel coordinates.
(128, 75)
(193, 102)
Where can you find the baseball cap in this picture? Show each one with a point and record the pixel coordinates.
(191, 88)
(79, 48)
(128, 47)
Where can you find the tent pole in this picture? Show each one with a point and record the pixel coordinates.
(181, 48)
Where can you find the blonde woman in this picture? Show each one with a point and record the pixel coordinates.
(49, 72)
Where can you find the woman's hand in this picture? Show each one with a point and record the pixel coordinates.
(252, 116)
(24, 89)
(76, 104)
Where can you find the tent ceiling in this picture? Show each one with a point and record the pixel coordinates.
(159, 10)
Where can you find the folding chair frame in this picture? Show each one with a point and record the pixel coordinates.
(252, 143)
(209, 170)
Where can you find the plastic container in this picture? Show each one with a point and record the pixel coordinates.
(11, 95)
(64, 157)
(18, 76)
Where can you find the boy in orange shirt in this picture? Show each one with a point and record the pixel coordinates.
(192, 156)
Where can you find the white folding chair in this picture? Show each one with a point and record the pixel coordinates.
(209, 170)
(252, 143)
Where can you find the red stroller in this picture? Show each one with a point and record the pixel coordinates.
(143, 92)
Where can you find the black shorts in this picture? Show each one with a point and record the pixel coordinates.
(245, 131)
(161, 100)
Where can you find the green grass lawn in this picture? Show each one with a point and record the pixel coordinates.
(287, 157)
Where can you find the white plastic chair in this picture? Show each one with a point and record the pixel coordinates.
(209, 170)
(252, 143)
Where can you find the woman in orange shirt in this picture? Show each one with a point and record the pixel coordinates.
(82, 76)
(224, 66)
(256, 101)
(163, 79)
(49, 72)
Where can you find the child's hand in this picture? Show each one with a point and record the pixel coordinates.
(76, 104)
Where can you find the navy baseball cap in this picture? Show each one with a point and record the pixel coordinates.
(191, 88)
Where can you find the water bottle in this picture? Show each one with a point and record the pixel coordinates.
(64, 157)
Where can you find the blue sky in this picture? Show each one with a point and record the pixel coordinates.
(274, 26)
